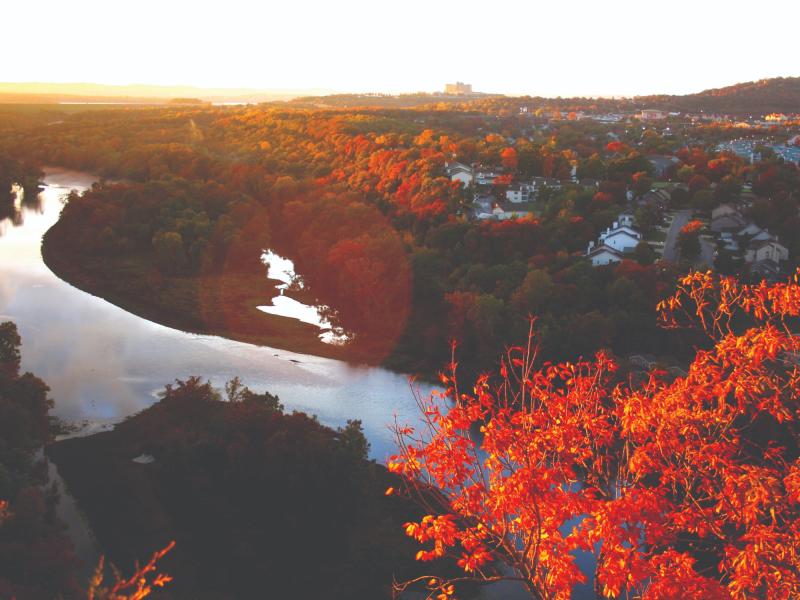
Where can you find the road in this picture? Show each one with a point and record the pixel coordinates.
(706, 258)
(682, 217)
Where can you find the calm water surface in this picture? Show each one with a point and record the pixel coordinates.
(103, 363)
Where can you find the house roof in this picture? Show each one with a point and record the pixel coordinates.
(457, 166)
(603, 248)
(736, 219)
(750, 229)
(724, 209)
(762, 243)
(624, 230)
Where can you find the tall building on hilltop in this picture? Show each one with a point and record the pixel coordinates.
(458, 88)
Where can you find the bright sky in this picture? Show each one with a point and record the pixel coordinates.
(539, 47)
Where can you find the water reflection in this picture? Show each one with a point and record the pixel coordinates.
(282, 269)
(103, 364)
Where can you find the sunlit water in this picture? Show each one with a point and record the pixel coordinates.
(282, 269)
(103, 363)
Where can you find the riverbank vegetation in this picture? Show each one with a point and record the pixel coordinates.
(258, 501)
(37, 560)
(232, 494)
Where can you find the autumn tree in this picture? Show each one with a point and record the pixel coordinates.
(689, 240)
(678, 487)
(509, 158)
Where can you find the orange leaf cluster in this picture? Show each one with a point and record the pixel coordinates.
(679, 488)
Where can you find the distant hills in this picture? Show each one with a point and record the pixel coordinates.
(779, 94)
(37, 92)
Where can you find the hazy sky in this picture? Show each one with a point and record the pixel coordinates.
(582, 47)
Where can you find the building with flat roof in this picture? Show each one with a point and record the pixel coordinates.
(458, 88)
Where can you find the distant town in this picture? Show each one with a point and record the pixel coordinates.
(672, 212)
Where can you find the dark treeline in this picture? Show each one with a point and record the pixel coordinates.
(37, 561)
(259, 502)
(779, 94)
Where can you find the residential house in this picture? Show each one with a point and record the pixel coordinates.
(621, 238)
(520, 192)
(460, 172)
(726, 218)
(652, 114)
(771, 250)
(602, 255)
(550, 182)
(483, 177)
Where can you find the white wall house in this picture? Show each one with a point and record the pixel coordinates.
(602, 255)
(621, 238)
(652, 114)
(520, 192)
(485, 177)
(460, 172)
(767, 250)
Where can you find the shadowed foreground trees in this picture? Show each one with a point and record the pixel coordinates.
(36, 559)
(685, 487)
(260, 503)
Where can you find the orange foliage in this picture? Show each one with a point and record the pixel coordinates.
(692, 228)
(615, 147)
(684, 487)
(138, 586)
(509, 158)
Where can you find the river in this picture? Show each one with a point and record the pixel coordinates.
(104, 364)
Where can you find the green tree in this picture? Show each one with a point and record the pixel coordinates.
(532, 296)
(169, 252)
(353, 440)
(644, 253)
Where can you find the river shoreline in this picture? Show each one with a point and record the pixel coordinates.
(265, 330)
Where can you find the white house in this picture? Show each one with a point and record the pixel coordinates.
(502, 214)
(486, 177)
(602, 255)
(460, 172)
(652, 114)
(520, 192)
(620, 237)
(766, 250)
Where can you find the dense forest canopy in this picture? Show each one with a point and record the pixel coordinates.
(360, 200)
